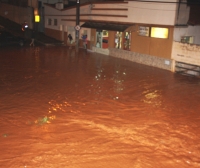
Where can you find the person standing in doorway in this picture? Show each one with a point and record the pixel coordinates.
(32, 38)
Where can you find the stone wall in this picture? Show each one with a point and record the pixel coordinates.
(154, 61)
(101, 50)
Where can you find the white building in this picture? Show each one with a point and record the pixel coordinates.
(154, 33)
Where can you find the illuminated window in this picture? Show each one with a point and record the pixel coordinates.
(127, 40)
(118, 40)
(37, 18)
(159, 32)
(105, 33)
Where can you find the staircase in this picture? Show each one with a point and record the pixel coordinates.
(15, 29)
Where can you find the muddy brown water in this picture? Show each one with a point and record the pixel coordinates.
(59, 108)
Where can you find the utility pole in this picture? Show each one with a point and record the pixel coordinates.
(77, 27)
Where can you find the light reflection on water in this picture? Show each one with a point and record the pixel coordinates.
(140, 116)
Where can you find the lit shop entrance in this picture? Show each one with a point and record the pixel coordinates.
(102, 39)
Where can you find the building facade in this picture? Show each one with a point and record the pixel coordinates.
(154, 33)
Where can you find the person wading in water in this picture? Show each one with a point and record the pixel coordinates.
(85, 41)
(70, 40)
(32, 38)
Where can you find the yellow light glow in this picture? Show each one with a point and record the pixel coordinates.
(35, 11)
(37, 18)
(159, 32)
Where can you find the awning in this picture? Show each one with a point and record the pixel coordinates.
(107, 26)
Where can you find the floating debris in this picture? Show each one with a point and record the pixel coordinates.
(43, 120)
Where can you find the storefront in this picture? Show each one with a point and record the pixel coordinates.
(109, 35)
(102, 38)
(123, 40)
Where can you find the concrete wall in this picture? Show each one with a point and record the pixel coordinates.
(187, 53)
(17, 14)
(152, 13)
(53, 33)
(188, 31)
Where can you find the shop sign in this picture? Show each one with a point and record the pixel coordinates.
(143, 31)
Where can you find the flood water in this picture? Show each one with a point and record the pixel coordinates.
(62, 109)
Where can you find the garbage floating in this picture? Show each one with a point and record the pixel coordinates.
(44, 120)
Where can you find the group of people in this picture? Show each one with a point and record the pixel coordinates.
(84, 38)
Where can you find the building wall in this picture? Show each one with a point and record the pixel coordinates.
(145, 12)
(141, 12)
(152, 46)
(65, 38)
(17, 14)
(124, 12)
(187, 31)
(111, 39)
(53, 33)
(131, 11)
(187, 53)
(128, 12)
(93, 38)
(33, 3)
(162, 47)
(146, 45)
(147, 50)
(140, 44)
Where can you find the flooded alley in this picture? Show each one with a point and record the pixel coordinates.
(62, 109)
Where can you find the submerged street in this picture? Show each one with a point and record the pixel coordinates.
(59, 108)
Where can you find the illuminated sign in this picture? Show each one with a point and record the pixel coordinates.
(159, 32)
(37, 18)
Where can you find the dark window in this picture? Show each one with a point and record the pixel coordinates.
(39, 4)
(55, 22)
(49, 21)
